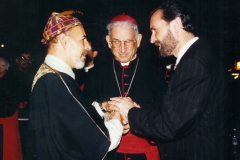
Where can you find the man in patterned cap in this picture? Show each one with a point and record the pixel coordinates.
(126, 75)
(62, 125)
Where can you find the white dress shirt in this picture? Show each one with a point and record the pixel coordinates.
(184, 48)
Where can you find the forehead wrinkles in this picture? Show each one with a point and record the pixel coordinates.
(123, 33)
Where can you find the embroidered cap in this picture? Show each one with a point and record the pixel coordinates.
(124, 18)
(58, 23)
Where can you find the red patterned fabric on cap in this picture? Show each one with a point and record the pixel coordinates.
(57, 24)
(125, 18)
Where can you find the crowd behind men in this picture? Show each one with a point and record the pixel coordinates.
(15, 92)
(188, 123)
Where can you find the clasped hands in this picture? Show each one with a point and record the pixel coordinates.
(118, 107)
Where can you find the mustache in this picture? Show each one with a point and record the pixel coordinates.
(158, 43)
(85, 53)
(26, 63)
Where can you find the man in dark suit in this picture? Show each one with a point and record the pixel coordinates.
(192, 122)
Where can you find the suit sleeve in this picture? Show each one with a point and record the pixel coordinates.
(183, 106)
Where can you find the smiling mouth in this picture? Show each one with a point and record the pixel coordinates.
(123, 55)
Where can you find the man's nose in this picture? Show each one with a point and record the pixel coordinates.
(123, 48)
(87, 46)
(153, 38)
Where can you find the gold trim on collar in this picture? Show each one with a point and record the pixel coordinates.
(44, 69)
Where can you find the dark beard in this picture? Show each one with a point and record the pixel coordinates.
(26, 66)
(167, 45)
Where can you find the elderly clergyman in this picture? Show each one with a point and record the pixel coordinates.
(62, 125)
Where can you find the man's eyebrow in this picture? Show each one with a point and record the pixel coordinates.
(114, 39)
(152, 28)
(84, 37)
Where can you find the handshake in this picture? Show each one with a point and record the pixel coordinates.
(118, 107)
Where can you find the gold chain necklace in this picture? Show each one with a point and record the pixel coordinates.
(131, 80)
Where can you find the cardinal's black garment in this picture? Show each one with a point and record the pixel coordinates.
(148, 84)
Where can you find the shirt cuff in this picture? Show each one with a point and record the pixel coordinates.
(87, 68)
(98, 108)
(115, 130)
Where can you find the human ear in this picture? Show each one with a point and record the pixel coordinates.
(63, 40)
(139, 38)
(95, 53)
(177, 25)
(108, 41)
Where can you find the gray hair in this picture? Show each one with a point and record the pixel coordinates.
(5, 63)
(122, 23)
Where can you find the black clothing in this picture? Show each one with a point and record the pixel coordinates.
(61, 124)
(80, 76)
(8, 95)
(148, 84)
(24, 81)
(192, 124)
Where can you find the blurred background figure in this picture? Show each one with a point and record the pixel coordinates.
(80, 74)
(11, 147)
(24, 75)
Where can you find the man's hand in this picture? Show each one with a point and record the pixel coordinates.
(117, 115)
(126, 128)
(124, 104)
(90, 57)
(109, 107)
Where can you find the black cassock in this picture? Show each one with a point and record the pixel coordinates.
(148, 85)
(62, 125)
(141, 81)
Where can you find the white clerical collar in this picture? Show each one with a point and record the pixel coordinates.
(184, 48)
(59, 65)
(127, 63)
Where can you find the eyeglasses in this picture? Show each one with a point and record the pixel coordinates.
(25, 58)
(127, 43)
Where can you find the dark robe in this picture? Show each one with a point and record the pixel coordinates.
(148, 86)
(61, 124)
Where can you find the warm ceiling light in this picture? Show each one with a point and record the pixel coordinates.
(237, 66)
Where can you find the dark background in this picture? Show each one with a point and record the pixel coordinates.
(22, 23)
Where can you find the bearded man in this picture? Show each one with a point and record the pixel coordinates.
(192, 123)
(62, 125)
